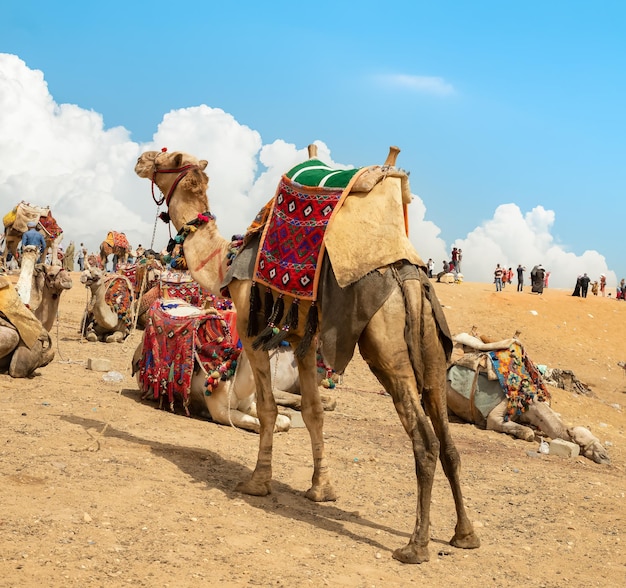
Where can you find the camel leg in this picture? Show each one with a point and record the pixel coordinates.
(496, 422)
(434, 396)
(388, 358)
(541, 416)
(295, 400)
(259, 483)
(321, 489)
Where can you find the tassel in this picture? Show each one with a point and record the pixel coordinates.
(253, 320)
(270, 330)
(310, 329)
(268, 305)
(291, 324)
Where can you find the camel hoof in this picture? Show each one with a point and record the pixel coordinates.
(253, 488)
(91, 337)
(325, 493)
(283, 423)
(330, 404)
(469, 541)
(412, 554)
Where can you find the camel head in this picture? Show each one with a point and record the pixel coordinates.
(590, 446)
(92, 278)
(151, 162)
(55, 278)
(176, 172)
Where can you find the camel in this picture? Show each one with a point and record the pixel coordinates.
(485, 404)
(40, 286)
(15, 225)
(108, 317)
(25, 344)
(232, 401)
(412, 368)
(115, 244)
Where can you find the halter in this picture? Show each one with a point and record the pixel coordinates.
(181, 171)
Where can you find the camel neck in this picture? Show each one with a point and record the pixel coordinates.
(205, 252)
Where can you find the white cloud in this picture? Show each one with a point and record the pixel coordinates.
(423, 84)
(62, 156)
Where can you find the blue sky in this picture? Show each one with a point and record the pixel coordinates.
(510, 115)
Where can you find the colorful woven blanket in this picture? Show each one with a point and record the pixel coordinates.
(171, 344)
(115, 239)
(50, 226)
(119, 296)
(519, 378)
(289, 256)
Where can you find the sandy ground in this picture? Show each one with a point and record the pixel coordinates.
(100, 489)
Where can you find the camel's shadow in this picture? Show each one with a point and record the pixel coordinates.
(224, 474)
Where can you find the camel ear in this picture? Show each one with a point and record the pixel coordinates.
(178, 160)
(203, 163)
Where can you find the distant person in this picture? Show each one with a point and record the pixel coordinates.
(68, 258)
(140, 251)
(446, 270)
(455, 257)
(545, 279)
(497, 277)
(82, 255)
(602, 284)
(33, 237)
(520, 278)
(577, 287)
(621, 289)
(537, 277)
(430, 264)
(584, 285)
(594, 287)
(459, 259)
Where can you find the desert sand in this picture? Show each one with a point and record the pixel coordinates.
(98, 488)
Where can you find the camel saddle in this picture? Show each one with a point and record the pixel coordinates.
(18, 314)
(374, 212)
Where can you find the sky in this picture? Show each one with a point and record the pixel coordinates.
(509, 115)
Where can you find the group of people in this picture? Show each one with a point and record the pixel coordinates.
(538, 278)
(452, 266)
(598, 287)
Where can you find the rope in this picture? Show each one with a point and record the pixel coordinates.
(156, 219)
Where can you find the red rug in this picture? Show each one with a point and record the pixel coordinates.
(292, 241)
(172, 344)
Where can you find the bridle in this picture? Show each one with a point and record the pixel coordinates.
(181, 171)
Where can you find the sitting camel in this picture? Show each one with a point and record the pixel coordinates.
(40, 286)
(476, 395)
(231, 401)
(108, 316)
(25, 344)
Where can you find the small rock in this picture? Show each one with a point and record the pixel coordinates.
(98, 364)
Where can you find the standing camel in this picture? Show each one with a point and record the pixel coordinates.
(15, 225)
(412, 368)
(115, 244)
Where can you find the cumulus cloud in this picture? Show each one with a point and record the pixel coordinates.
(511, 238)
(63, 156)
(423, 84)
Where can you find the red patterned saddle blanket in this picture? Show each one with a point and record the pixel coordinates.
(172, 344)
